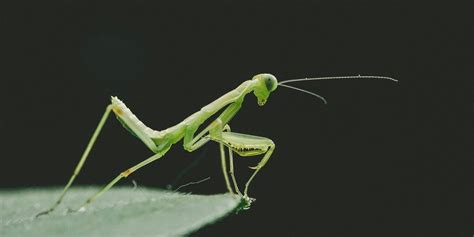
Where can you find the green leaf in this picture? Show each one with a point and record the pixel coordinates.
(119, 212)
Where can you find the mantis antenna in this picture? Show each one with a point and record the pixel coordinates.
(305, 91)
(283, 83)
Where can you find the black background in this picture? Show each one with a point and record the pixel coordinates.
(379, 159)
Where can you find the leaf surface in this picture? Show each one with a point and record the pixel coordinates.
(119, 212)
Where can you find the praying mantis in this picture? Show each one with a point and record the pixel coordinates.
(159, 142)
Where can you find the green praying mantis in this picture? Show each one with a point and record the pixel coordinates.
(159, 142)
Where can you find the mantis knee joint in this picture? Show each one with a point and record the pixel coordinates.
(126, 173)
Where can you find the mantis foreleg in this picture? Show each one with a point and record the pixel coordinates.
(235, 141)
(260, 165)
(247, 145)
(192, 142)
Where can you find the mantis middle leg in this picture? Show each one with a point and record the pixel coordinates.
(231, 165)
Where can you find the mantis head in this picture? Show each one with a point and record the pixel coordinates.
(265, 84)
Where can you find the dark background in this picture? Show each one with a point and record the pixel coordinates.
(379, 159)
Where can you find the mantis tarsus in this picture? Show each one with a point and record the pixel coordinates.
(159, 142)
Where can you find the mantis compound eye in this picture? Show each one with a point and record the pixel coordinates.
(271, 83)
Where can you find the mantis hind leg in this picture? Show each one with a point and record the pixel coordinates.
(125, 174)
(81, 161)
(247, 145)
